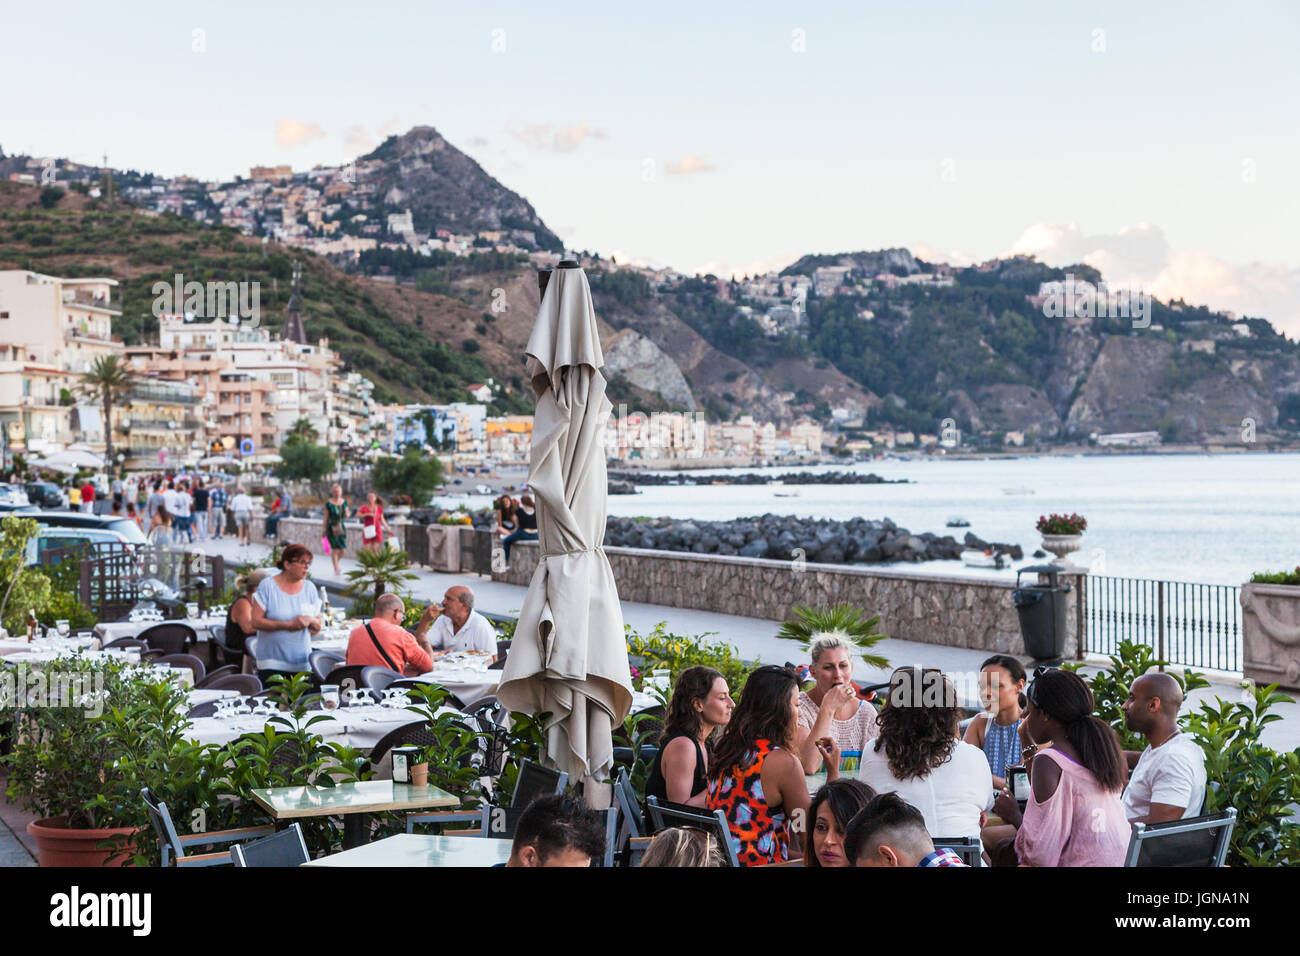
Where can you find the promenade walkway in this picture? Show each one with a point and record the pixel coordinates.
(753, 638)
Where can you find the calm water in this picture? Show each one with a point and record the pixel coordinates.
(1206, 518)
(1203, 518)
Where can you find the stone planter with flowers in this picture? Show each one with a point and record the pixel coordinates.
(1062, 535)
(1270, 628)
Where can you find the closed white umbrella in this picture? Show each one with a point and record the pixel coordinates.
(569, 655)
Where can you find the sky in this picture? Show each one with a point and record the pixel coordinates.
(1157, 141)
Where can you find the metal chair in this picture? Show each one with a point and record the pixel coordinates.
(1198, 841)
(416, 733)
(214, 675)
(533, 781)
(185, 660)
(632, 827)
(225, 653)
(664, 815)
(968, 848)
(487, 708)
(242, 683)
(128, 643)
(173, 844)
(170, 637)
(322, 662)
(286, 848)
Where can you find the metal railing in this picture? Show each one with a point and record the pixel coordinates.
(1195, 625)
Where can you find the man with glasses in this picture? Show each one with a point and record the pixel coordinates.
(383, 642)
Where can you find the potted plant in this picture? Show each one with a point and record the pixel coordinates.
(841, 620)
(61, 763)
(1062, 534)
(401, 506)
(1270, 628)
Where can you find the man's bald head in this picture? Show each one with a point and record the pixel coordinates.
(1154, 701)
(386, 604)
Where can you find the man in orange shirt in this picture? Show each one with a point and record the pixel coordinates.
(385, 643)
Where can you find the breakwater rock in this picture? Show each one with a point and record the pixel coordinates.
(785, 538)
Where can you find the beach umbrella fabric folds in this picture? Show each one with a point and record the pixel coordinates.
(569, 654)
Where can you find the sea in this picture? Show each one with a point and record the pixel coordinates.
(1203, 518)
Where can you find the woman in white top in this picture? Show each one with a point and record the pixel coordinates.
(919, 756)
(833, 708)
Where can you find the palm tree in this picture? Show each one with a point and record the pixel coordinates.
(108, 379)
(842, 619)
(380, 571)
(303, 430)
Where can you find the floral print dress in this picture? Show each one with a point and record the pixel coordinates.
(759, 834)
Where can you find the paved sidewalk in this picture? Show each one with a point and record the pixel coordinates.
(753, 638)
(17, 846)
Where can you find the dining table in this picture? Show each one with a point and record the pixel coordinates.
(353, 801)
(422, 850)
(360, 726)
(108, 631)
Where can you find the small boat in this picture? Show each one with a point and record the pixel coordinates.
(483, 489)
(785, 494)
(983, 559)
(1018, 491)
(957, 522)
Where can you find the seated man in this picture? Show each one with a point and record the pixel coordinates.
(387, 644)
(557, 831)
(460, 627)
(1167, 780)
(888, 831)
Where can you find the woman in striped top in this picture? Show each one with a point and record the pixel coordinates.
(997, 730)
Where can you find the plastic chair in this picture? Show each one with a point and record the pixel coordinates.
(170, 637)
(663, 816)
(968, 848)
(1198, 841)
(226, 654)
(174, 845)
(357, 676)
(244, 684)
(217, 674)
(286, 848)
(503, 649)
(127, 642)
(322, 662)
(185, 660)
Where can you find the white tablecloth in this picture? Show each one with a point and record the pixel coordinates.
(359, 727)
(10, 646)
(112, 630)
(39, 655)
(469, 684)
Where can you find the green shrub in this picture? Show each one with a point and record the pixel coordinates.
(659, 649)
(1276, 577)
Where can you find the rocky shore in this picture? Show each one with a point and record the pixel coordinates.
(749, 478)
(784, 538)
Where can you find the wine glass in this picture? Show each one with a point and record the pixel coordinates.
(63, 627)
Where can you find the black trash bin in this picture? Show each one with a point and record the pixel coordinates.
(1042, 610)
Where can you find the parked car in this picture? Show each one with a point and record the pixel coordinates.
(12, 496)
(70, 529)
(46, 494)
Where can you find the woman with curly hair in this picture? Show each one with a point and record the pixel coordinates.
(834, 805)
(757, 779)
(701, 703)
(919, 756)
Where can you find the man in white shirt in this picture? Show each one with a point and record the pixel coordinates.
(242, 507)
(460, 628)
(1168, 778)
(171, 498)
(181, 515)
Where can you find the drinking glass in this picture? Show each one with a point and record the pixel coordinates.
(63, 628)
(329, 696)
(191, 610)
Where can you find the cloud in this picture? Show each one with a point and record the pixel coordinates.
(360, 139)
(290, 133)
(548, 137)
(1140, 256)
(756, 267)
(930, 254)
(687, 165)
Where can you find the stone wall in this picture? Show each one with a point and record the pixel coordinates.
(308, 531)
(953, 611)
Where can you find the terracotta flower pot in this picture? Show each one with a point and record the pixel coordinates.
(60, 845)
(420, 775)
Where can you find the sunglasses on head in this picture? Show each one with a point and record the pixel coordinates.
(1032, 690)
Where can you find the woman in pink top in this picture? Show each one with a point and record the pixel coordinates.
(1074, 816)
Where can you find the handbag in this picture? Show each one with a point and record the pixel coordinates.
(324, 545)
(369, 532)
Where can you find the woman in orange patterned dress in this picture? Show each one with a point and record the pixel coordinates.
(756, 778)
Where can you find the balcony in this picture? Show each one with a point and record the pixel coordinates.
(162, 394)
(161, 425)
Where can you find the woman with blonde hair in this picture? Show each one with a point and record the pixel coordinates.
(678, 846)
(833, 709)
